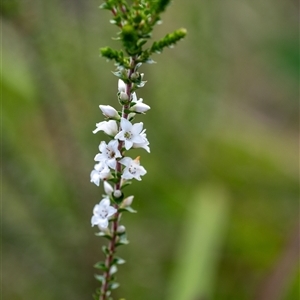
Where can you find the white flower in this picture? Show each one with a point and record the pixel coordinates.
(132, 168)
(138, 106)
(130, 134)
(109, 127)
(100, 172)
(109, 153)
(144, 144)
(109, 111)
(102, 212)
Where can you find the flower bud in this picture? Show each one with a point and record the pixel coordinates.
(121, 229)
(105, 230)
(121, 86)
(140, 107)
(117, 193)
(109, 127)
(127, 201)
(134, 76)
(108, 188)
(123, 96)
(109, 111)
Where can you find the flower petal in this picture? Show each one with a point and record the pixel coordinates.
(111, 211)
(104, 203)
(128, 144)
(95, 220)
(103, 223)
(125, 161)
(137, 128)
(125, 125)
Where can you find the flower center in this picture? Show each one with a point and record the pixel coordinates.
(132, 170)
(103, 213)
(127, 135)
(110, 153)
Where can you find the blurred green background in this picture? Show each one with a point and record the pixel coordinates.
(218, 211)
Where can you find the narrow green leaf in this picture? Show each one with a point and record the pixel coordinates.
(118, 261)
(128, 209)
(99, 277)
(100, 265)
(113, 269)
(122, 240)
(103, 234)
(114, 285)
(105, 250)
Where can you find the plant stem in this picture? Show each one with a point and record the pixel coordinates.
(115, 224)
(110, 256)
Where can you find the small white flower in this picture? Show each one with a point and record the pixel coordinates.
(132, 168)
(109, 127)
(100, 172)
(108, 153)
(138, 106)
(102, 212)
(130, 134)
(109, 111)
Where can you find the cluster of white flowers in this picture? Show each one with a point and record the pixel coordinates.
(111, 162)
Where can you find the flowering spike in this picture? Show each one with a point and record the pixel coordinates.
(115, 168)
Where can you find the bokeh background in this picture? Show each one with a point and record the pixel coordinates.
(218, 212)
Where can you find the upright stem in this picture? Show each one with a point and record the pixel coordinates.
(109, 257)
(115, 224)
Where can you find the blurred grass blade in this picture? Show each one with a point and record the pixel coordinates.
(199, 245)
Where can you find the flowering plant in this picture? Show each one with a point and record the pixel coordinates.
(114, 168)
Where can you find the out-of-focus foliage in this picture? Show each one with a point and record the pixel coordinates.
(224, 112)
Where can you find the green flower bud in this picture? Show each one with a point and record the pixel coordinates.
(169, 40)
(128, 34)
(161, 5)
(111, 54)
